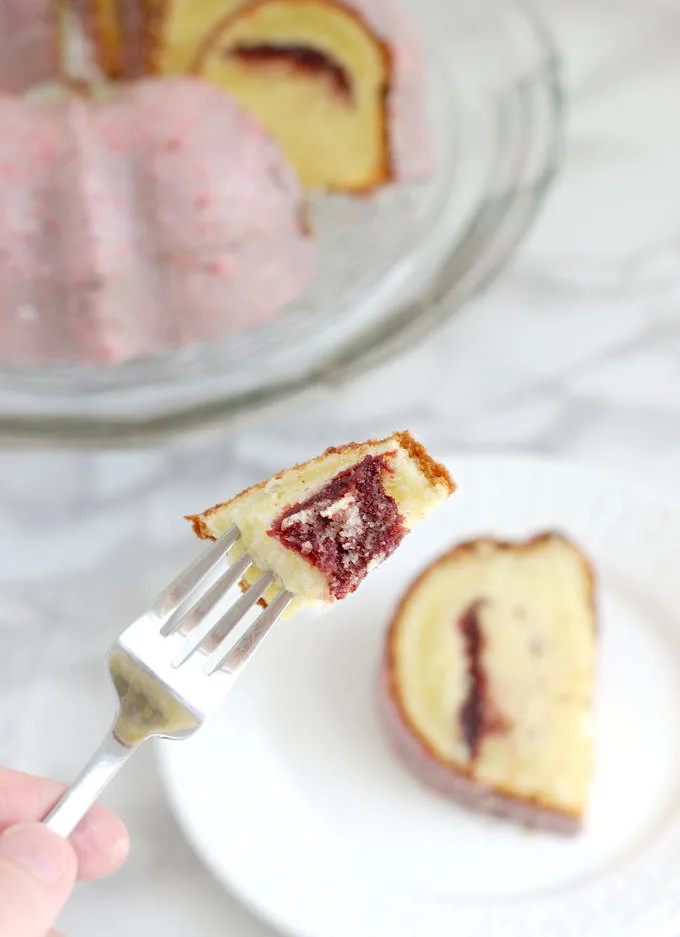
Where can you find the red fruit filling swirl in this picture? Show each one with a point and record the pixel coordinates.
(298, 58)
(472, 714)
(347, 526)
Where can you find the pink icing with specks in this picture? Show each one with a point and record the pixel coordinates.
(28, 43)
(162, 218)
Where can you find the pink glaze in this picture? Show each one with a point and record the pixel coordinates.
(28, 43)
(160, 219)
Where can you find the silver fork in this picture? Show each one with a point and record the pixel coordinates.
(173, 666)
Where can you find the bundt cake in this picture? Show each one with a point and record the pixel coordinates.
(320, 527)
(487, 679)
(155, 218)
(29, 43)
(339, 83)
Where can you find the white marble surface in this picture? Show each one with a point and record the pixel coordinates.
(576, 351)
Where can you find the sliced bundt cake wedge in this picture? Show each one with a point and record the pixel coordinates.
(487, 679)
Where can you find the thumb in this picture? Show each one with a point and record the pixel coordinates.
(37, 872)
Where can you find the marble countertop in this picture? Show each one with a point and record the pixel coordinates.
(584, 361)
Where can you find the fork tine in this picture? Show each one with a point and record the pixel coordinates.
(227, 622)
(179, 590)
(197, 618)
(231, 618)
(237, 657)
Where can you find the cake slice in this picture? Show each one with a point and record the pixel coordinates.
(317, 77)
(488, 679)
(320, 527)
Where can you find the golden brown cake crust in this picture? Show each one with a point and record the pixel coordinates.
(434, 472)
(408, 742)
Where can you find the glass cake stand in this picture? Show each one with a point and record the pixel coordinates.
(393, 267)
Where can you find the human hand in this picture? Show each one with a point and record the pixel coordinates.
(38, 868)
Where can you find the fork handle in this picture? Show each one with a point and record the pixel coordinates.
(85, 790)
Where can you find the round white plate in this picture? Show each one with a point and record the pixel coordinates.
(292, 799)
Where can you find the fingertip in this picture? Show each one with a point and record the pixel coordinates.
(101, 842)
(45, 854)
(37, 873)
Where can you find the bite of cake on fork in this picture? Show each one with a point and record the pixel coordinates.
(309, 534)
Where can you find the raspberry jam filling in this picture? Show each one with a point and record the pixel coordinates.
(472, 711)
(347, 527)
(478, 716)
(297, 58)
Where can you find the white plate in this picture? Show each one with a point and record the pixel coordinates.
(293, 801)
